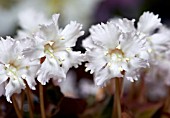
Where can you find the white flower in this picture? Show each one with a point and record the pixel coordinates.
(29, 21)
(55, 45)
(14, 68)
(113, 53)
(158, 41)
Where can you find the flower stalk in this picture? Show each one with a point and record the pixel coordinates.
(22, 101)
(117, 102)
(29, 98)
(41, 101)
(16, 107)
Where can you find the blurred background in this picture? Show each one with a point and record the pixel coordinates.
(87, 12)
(79, 90)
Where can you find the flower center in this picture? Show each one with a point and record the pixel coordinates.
(116, 54)
(49, 49)
(11, 69)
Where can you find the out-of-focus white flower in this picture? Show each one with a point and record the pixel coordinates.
(78, 10)
(155, 81)
(158, 76)
(29, 21)
(87, 88)
(14, 68)
(163, 66)
(68, 87)
(9, 21)
(115, 54)
(55, 45)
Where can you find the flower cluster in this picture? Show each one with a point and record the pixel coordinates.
(43, 53)
(119, 49)
(114, 52)
(116, 49)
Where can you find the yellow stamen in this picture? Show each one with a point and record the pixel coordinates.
(62, 38)
(108, 64)
(149, 50)
(68, 49)
(51, 43)
(120, 69)
(118, 47)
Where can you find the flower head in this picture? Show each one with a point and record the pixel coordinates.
(54, 45)
(112, 53)
(14, 68)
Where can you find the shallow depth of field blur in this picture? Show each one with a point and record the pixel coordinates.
(77, 96)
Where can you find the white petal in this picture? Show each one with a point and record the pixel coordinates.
(106, 35)
(13, 86)
(115, 69)
(25, 43)
(138, 63)
(124, 24)
(148, 22)
(73, 59)
(47, 33)
(161, 41)
(3, 76)
(144, 55)
(96, 60)
(132, 44)
(55, 18)
(5, 49)
(71, 32)
(50, 69)
(102, 77)
(88, 43)
(28, 72)
(69, 58)
(34, 52)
